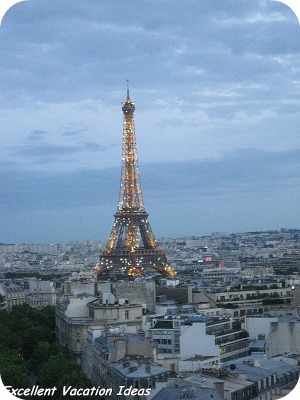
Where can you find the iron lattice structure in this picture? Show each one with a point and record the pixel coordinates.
(131, 248)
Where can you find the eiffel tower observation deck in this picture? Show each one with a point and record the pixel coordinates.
(131, 248)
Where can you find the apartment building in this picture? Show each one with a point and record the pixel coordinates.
(76, 314)
(122, 362)
(12, 295)
(203, 336)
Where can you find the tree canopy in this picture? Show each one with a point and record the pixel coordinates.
(29, 354)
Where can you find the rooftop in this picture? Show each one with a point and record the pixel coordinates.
(131, 369)
(187, 391)
(258, 367)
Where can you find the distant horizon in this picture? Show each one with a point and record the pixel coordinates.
(157, 238)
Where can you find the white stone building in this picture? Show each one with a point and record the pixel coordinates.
(284, 337)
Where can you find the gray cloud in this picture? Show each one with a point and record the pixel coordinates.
(79, 51)
(73, 132)
(244, 173)
(38, 133)
(37, 147)
(210, 79)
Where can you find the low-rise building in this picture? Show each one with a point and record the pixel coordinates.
(12, 295)
(44, 290)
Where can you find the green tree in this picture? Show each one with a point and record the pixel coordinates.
(61, 371)
(28, 352)
(32, 336)
(12, 368)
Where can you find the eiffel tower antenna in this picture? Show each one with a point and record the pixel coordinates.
(131, 248)
(128, 89)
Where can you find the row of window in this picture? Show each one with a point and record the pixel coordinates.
(213, 330)
(231, 337)
(164, 351)
(169, 332)
(16, 302)
(163, 341)
(246, 393)
(14, 295)
(267, 382)
(234, 346)
(241, 313)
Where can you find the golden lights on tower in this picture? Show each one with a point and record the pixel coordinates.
(131, 247)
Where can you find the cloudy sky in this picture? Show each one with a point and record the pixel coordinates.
(216, 85)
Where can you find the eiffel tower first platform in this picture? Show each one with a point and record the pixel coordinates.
(131, 248)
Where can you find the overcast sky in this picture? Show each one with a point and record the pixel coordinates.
(216, 85)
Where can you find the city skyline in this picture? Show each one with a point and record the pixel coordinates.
(216, 90)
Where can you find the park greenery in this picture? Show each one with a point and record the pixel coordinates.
(31, 274)
(29, 354)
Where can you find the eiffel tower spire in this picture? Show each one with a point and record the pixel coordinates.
(131, 248)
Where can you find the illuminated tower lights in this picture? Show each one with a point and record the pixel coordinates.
(131, 248)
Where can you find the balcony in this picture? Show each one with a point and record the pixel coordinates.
(231, 336)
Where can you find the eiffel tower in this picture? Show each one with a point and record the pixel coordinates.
(131, 248)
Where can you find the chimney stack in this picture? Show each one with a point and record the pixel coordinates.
(219, 386)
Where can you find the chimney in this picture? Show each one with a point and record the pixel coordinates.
(219, 386)
(256, 363)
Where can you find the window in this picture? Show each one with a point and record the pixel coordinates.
(126, 314)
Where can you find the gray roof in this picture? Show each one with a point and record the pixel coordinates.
(257, 344)
(33, 298)
(258, 367)
(231, 385)
(187, 392)
(133, 369)
(12, 289)
(164, 324)
(287, 319)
